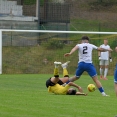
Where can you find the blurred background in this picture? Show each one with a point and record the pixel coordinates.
(33, 52)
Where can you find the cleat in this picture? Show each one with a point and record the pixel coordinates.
(64, 65)
(105, 78)
(106, 95)
(57, 63)
(101, 77)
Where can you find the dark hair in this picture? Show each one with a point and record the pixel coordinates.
(85, 38)
(72, 92)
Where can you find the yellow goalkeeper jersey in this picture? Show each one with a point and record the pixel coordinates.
(58, 89)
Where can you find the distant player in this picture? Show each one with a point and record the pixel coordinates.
(104, 58)
(115, 76)
(56, 85)
(85, 61)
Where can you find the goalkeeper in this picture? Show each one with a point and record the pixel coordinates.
(56, 85)
(104, 60)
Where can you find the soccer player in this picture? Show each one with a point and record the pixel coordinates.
(104, 60)
(55, 85)
(85, 61)
(115, 76)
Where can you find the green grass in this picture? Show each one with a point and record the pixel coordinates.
(26, 96)
(92, 25)
(23, 60)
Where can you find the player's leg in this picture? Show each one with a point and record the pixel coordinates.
(106, 69)
(64, 66)
(115, 80)
(101, 68)
(65, 72)
(79, 71)
(92, 72)
(115, 89)
(55, 79)
(99, 85)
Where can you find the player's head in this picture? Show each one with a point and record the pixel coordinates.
(85, 39)
(71, 91)
(105, 41)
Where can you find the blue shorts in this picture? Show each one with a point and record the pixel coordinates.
(115, 74)
(88, 67)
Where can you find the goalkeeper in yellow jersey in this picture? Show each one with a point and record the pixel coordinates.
(60, 86)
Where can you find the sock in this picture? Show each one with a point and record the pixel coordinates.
(65, 73)
(101, 71)
(56, 66)
(67, 81)
(105, 72)
(101, 90)
(56, 72)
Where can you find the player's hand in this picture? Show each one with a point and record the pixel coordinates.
(110, 50)
(111, 60)
(67, 54)
(99, 58)
(79, 93)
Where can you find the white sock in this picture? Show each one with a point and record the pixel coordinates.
(101, 71)
(64, 67)
(56, 66)
(105, 72)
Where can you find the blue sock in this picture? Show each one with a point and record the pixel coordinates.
(101, 89)
(67, 82)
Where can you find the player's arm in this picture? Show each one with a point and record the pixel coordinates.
(101, 49)
(104, 50)
(99, 54)
(75, 85)
(110, 57)
(72, 51)
(79, 93)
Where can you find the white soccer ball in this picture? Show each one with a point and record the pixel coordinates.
(91, 87)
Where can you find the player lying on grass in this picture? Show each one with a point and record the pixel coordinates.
(55, 84)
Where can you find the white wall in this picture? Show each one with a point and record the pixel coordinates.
(11, 8)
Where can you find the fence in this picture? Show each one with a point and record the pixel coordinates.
(30, 56)
(77, 15)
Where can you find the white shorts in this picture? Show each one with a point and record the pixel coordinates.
(104, 62)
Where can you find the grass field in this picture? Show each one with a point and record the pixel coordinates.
(26, 96)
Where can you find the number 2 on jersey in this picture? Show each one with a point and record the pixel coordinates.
(84, 49)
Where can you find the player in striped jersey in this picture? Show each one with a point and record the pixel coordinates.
(85, 61)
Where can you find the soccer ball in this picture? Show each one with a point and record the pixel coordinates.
(91, 87)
